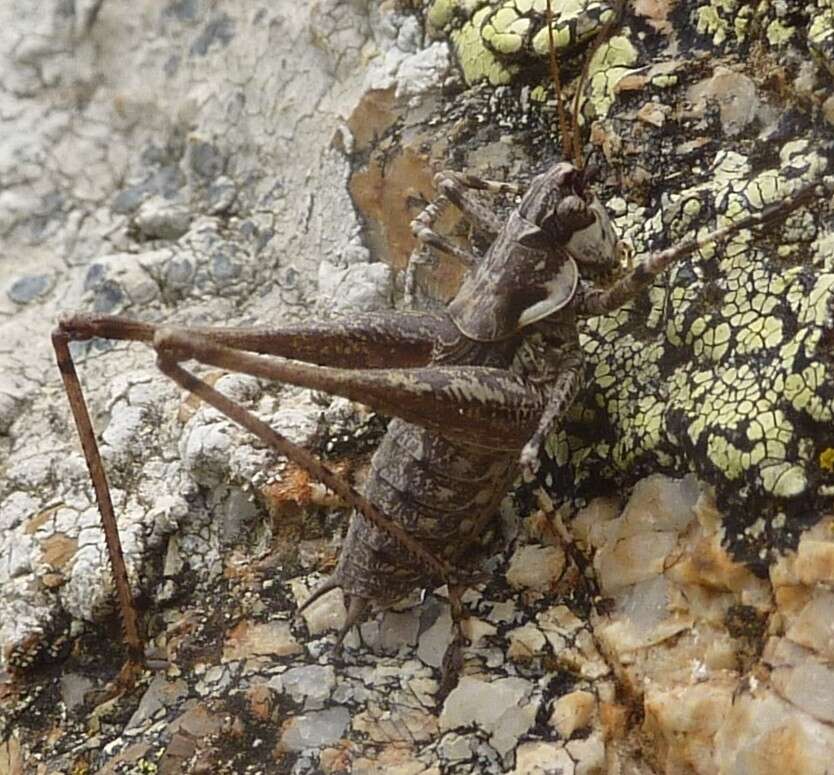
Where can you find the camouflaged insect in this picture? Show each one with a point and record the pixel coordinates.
(724, 367)
(475, 389)
(479, 388)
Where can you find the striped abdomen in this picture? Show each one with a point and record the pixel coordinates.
(437, 490)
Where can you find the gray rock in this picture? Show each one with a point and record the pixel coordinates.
(162, 693)
(160, 219)
(129, 199)
(223, 269)
(423, 71)
(205, 159)
(434, 641)
(356, 287)
(28, 288)
(220, 29)
(73, 689)
(314, 730)
(221, 195)
(399, 628)
(499, 708)
(311, 684)
(455, 747)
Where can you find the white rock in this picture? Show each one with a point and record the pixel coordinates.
(500, 708)
(326, 614)
(434, 641)
(363, 287)
(536, 567)
(571, 712)
(454, 747)
(399, 628)
(314, 730)
(310, 684)
(526, 642)
(589, 754)
(540, 758)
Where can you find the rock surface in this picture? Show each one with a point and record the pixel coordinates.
(239, 165)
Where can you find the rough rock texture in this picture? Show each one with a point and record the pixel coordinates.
(200, 162)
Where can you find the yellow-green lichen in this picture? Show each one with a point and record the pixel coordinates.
(664, 81)
(717, 369)
(476, 60)
(574, 22)
(784, 480)
(778, 34)
(442, 12)
(717, 18)
(734, 384)
(491, 38)
(821, 35)
(611, 62)
(741, 22)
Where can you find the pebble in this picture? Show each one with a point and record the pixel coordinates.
(814, 625)
(160, 694)
(540, 758)
(196, 721)
(159, 219)
(326, 614)
(309, 684)
(536, 567)
(267, 639)
(221, 195)
(589, 754)
(28, 288)
(365, 287)
(261, 700)
(434, 641)
(314, 730)
(455, 747)
(571, 712)
(399, 628)
(526, 642)
(498, 708)
(736, 95)
(73, 689)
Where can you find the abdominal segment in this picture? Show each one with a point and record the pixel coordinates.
(437, 490)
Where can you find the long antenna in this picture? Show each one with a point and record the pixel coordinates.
(569, 135)
(564, 135)
(603, 35)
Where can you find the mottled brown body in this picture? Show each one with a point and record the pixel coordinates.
(437, 490)
(443, 491)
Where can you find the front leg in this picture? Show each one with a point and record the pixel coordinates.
(452, 190)
(597, 301)
(454, 185)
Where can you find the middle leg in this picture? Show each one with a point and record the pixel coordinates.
(452, 190)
